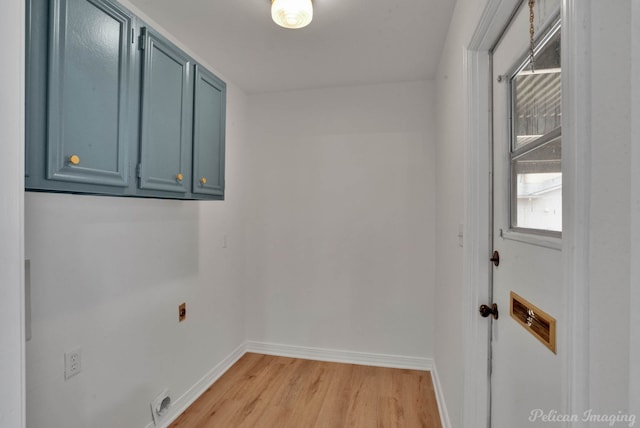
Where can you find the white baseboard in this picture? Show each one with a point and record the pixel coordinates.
(352, 357)
(338, 356)
(442, 407)
(192, 394)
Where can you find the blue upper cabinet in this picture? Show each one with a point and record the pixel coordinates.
(208, 134)
(90, 69)
(167, 98)
(114, 108)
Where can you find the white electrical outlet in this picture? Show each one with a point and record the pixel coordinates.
(72, 362)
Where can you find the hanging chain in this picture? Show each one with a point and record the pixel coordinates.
(531, 35)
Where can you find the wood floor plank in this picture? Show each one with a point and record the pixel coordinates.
(390, 409)
(305, 407)
(362, 412)
(335, 408)
(262, 391)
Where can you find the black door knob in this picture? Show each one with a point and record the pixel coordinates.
(485, 311)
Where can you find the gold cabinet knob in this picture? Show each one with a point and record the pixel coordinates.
(203, 181)
(74, 159)
(179, 176)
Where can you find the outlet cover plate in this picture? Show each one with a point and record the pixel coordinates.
(72, 362)
(160, 406)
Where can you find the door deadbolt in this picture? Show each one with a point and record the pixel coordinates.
(495, 258)
(485, 311)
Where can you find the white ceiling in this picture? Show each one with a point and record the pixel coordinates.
(349, 42)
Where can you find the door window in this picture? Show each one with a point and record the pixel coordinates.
(536, 140)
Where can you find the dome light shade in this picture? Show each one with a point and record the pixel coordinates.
(292, 13)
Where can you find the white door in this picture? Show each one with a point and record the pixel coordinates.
(527, 370)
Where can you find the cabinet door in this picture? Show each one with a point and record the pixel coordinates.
(90, 72)
(208, 134)
(165, 127)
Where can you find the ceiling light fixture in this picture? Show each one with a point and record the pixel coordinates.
(292, 13)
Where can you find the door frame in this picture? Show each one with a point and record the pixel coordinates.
(477, 195)
(12, 334)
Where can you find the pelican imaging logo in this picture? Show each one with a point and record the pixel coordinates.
(610, 419)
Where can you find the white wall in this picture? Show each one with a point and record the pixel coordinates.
(342, 229)
(108, 275)
(11, 214)
(451, 134)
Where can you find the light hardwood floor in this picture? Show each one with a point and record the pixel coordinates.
(277, 392)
